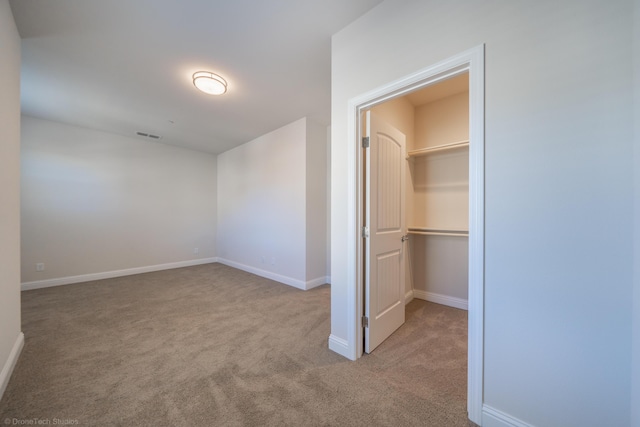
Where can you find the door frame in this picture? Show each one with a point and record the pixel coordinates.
(471, 61)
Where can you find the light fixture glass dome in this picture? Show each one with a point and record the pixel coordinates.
(209, 82)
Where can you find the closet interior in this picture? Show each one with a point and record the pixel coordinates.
(435, 121)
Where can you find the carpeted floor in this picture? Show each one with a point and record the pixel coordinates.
(214, 346)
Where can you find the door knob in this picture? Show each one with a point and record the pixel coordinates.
(405, 238)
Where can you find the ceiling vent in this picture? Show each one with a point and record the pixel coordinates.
(148, 135)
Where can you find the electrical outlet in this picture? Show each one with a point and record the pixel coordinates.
(40, 266)
(262, 259)
(196, 250)
(273, 260)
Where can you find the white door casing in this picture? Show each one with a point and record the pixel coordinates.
(385, 224)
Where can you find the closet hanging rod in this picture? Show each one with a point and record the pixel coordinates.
(437, 232)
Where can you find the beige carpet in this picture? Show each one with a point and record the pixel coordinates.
(214, 346)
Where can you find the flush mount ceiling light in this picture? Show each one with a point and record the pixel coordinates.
(209, 83)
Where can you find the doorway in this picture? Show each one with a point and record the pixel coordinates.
(416, 180)
(471, 62)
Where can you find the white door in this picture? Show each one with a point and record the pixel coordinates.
(385, 161)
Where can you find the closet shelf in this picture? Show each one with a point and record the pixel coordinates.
(437, 232)
(443, 147)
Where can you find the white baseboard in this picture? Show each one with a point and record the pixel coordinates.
(340, 346)
(111, 274)
(316, 282)
(492, 417)
(296, 283)
(441, 299)
(408, 297)
(10, 364)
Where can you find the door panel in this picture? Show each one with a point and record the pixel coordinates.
(389, 154)
(384, 252)
(388, 276)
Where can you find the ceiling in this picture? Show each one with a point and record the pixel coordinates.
(442, 89)
(125, 66)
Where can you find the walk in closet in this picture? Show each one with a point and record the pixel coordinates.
(435, 121)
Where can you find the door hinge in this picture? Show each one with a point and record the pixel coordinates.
(365, 142)
(365, 322)
(365, 232)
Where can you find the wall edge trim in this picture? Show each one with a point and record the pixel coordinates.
(460, 303)
(340, 346)
(500, 419)
(10, 364)
(408, 297)
(296, 283)
(69, 280)
(318, 281)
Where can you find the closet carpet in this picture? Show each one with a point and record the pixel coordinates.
(210, 345)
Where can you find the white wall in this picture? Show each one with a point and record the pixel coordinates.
(558, 194)
(95, 202)
(10, 335)
(635, 395)
(316, 200)
(264, 225)
(440, 267)
(328, 204)
(443, 121)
